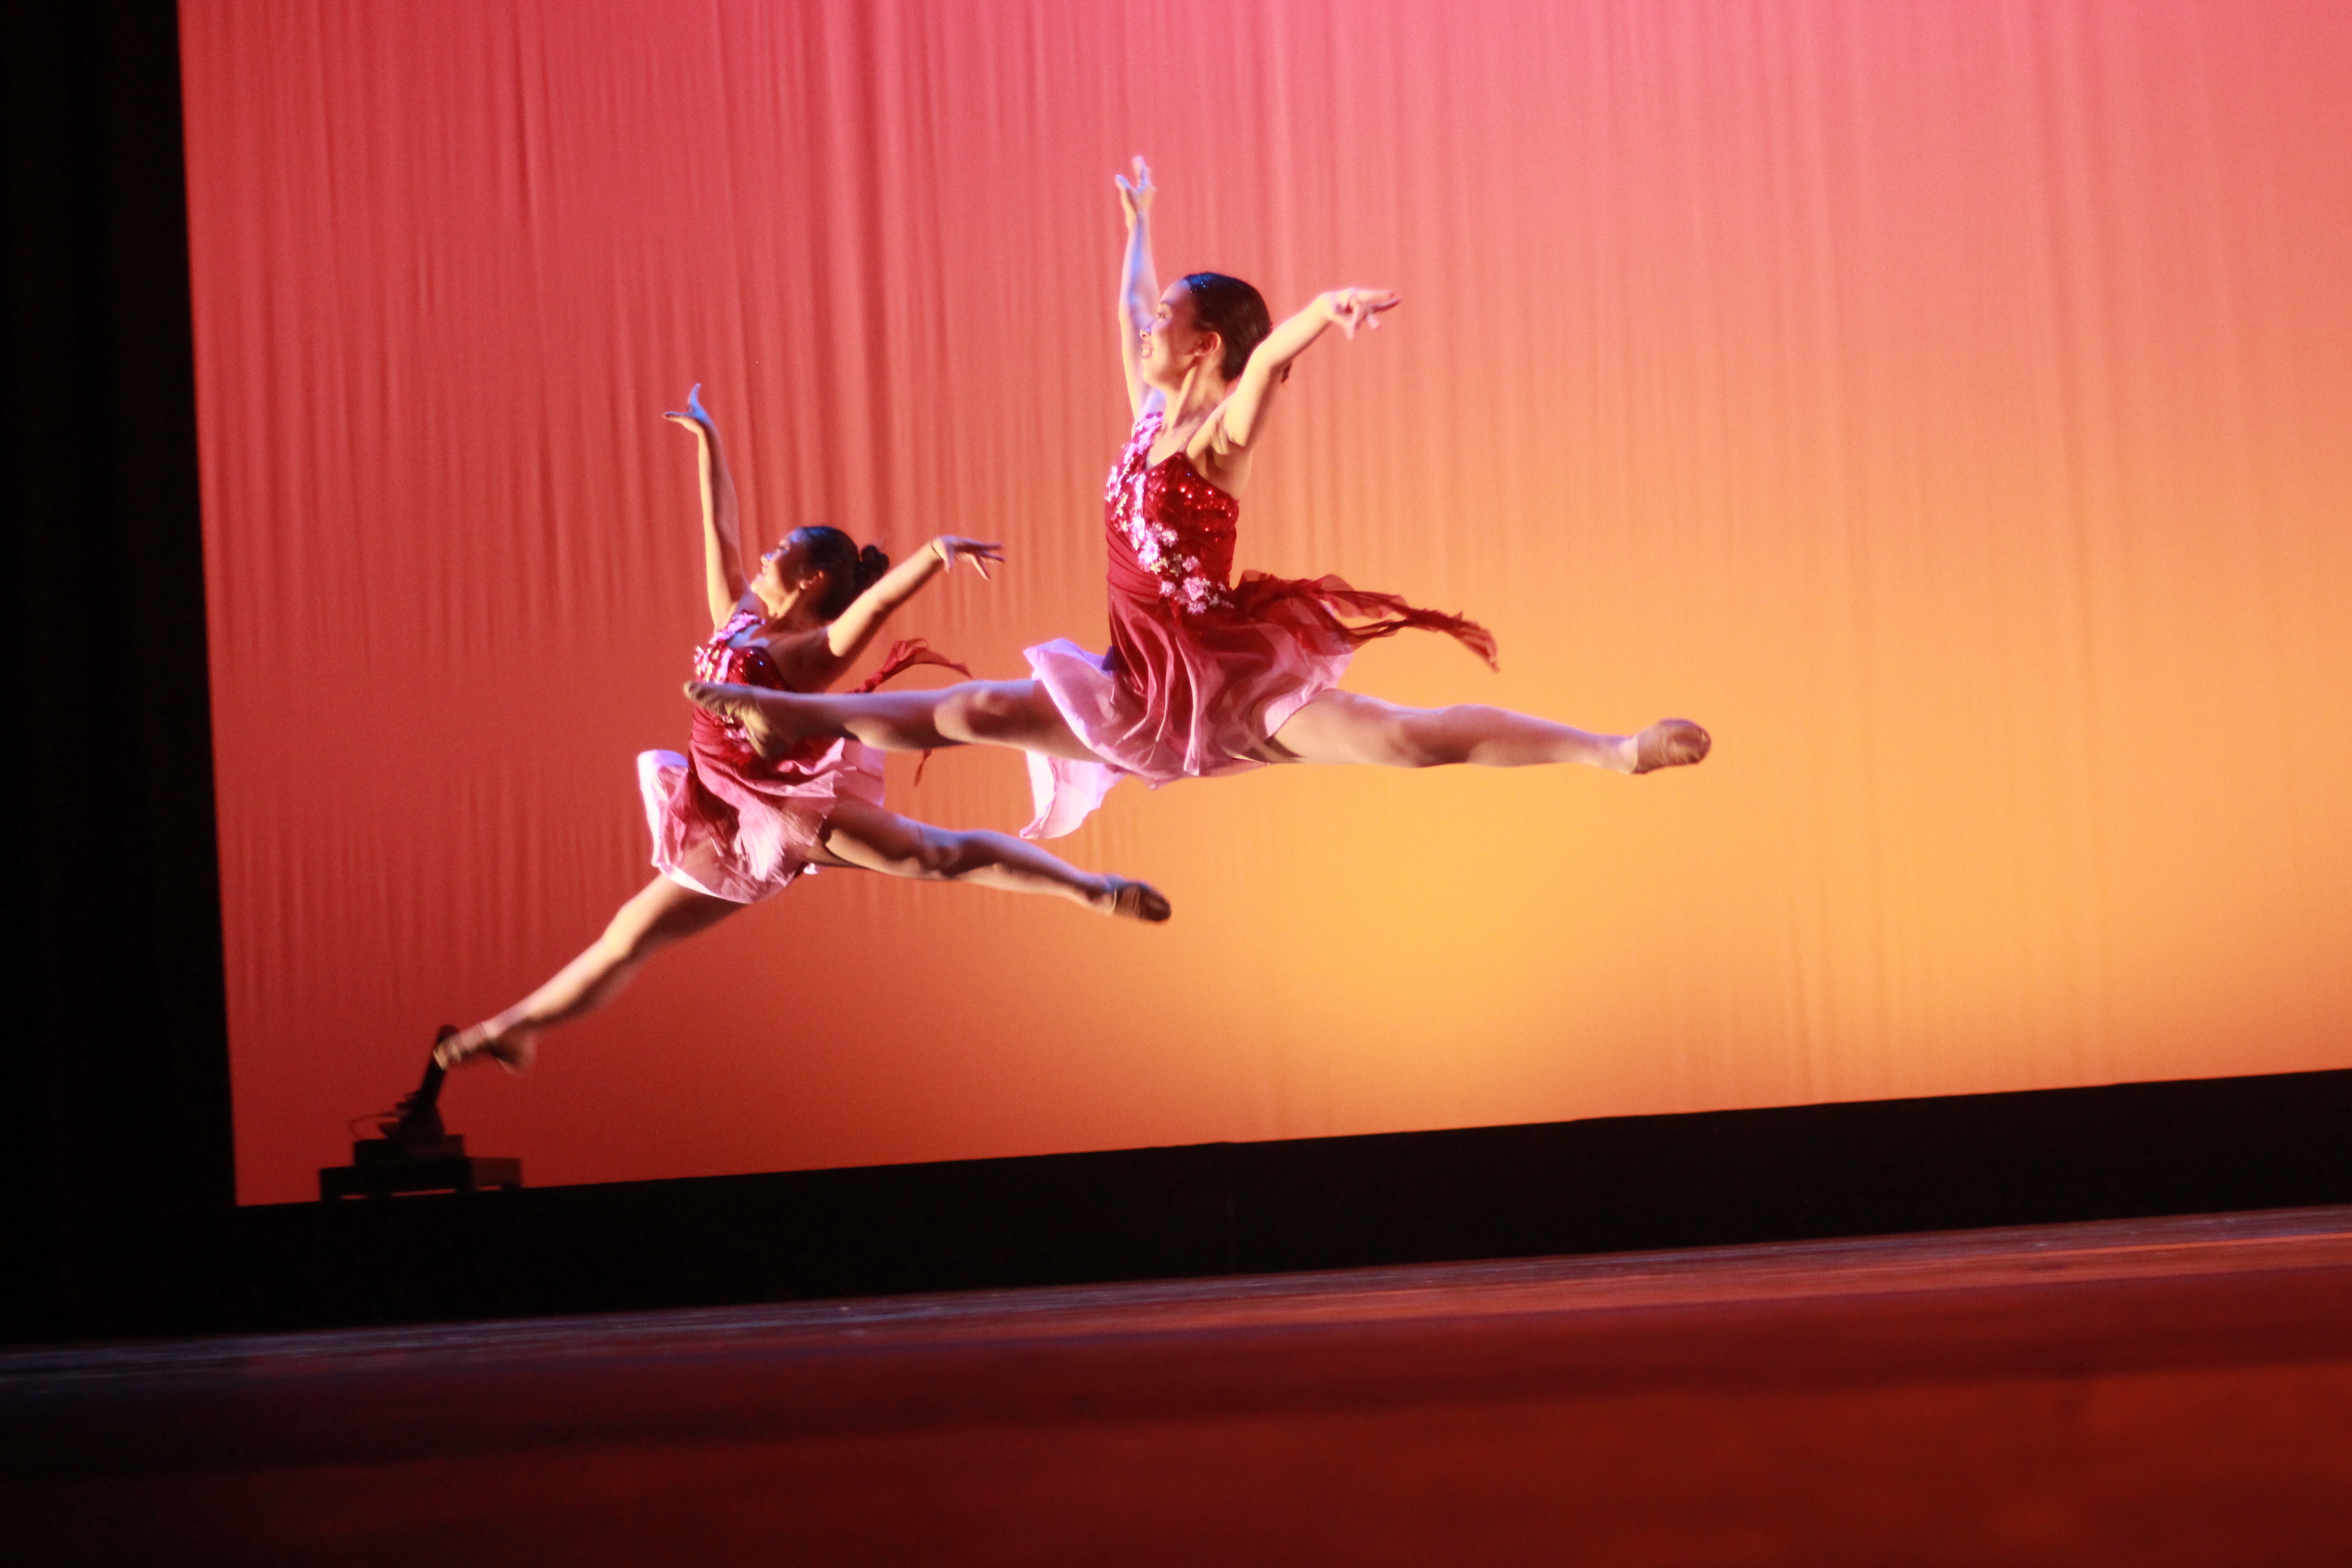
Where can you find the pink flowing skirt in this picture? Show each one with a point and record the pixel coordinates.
(743, 832)
(1185, 695)
(738, 826)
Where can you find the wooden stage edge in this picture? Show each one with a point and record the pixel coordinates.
(2150, 1390)
(2176, 1248)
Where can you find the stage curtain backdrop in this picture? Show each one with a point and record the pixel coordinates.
(1944, 403)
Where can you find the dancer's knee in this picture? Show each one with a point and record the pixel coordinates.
(940, 854)
(622, 944)
(983, 711)
(1426, 737)
(650, 920)
(923, 853)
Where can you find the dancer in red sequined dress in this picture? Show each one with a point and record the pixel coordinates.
(732, 826)
(1204, 675)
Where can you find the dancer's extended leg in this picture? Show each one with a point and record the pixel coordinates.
(662, 912)
(1346, 727)
(878, 840)
(1016, 714)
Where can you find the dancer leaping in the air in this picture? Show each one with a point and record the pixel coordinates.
(732, 826)
(1204, 675)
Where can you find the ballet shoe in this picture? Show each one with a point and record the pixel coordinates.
(741, 704)
(1670, 743)
(1138, 902)
(456, 1047)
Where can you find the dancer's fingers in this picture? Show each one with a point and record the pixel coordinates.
(1136, 193)
(1352, 308)
(977, 551)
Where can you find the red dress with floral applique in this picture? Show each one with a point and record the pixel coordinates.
(730, 822)
(1200, 668)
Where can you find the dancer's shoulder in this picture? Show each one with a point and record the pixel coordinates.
(804, 661)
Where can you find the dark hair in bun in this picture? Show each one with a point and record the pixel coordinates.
(1234, 312)
(848, 570)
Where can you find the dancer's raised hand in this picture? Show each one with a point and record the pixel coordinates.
(722, 515)
(694, 416)
(1135, 199)
(1139, 283)
(1351, 308)
(949, 548)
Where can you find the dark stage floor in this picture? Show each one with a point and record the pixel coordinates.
(2174, 1391)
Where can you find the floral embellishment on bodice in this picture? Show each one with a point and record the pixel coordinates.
(721, 661)
(1180, 527)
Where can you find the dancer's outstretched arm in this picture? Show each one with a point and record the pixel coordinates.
(1221, 448)
(723, 530)
(1138, 283)
(857, 626)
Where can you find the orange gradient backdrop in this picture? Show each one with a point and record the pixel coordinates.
(1945, 402)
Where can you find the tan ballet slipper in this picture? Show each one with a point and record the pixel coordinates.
(748, 705)
(1670, 743)
(1138, 901)
(455, 1048)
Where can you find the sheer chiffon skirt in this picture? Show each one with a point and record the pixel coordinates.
(739, 827)
(730, 825)
(1181, 694)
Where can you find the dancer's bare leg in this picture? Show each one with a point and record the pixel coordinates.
(878, 840)
(1346, 727)
(1016, 714)
(661, 913)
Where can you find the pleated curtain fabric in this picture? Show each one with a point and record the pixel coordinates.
(1943, 403)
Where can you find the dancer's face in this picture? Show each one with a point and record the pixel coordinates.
(1175, 343)
(783, 571)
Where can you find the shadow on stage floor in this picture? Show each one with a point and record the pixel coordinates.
(2143, 1392)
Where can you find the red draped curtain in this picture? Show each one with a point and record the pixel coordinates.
(1945, 402)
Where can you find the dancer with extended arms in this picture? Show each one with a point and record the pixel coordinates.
(732, 825)
(1204, 675)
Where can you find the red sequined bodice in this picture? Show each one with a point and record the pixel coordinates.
(719, 660)
(1204, 668)
(1171, 532)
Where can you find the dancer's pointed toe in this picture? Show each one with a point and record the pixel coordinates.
(456, 1047)
(1138, 902)
(748, 705)
(1670, 743)
(710, 694)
